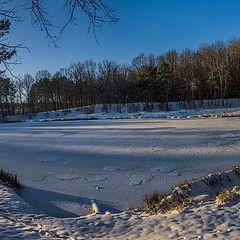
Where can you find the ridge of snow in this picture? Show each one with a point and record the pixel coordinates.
(202, 220)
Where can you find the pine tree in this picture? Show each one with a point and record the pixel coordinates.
(164, 79)
(7, 51)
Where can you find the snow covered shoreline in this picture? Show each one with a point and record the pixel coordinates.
(176, 110)
(201, 220)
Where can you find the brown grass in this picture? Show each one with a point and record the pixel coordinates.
(10, 179)
(177, 200)
(224, 196)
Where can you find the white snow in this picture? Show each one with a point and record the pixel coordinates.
(65, 165)
(202, 220)
(71, 168)
(177, 110)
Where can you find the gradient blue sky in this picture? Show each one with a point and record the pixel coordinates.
(145, 26)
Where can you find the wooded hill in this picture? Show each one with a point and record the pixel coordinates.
(210, 72)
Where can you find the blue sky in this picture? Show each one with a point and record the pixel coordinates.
(145, 26)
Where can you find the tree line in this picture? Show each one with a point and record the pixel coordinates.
(210, 72)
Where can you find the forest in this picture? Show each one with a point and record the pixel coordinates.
(211, 71)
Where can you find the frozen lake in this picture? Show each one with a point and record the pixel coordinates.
(64, 165)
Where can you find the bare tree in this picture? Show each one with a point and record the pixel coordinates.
(23, 87)
(98, 13)
(8, 51)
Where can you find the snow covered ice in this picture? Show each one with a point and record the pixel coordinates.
(68, 168)
(65, 165)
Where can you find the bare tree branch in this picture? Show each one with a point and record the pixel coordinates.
(98, 13)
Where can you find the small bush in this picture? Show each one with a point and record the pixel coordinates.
(10, 179)
(157, 203)
(224, 196)
(177, 200)
(185, 183)
(151, 203)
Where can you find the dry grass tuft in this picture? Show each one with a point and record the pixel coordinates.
(157, 203)
(177, 200)
(180, 196)
(10, 179)
(152, 203)
(224, 196)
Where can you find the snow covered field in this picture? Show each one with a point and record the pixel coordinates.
(65, 165)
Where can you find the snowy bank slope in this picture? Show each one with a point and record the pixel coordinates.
(202, 220)
(207, 108)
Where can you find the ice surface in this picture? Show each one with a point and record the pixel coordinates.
(115, 163)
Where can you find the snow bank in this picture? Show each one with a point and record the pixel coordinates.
(209, 186)
(206, 108)
(202, 220)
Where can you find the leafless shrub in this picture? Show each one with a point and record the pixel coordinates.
(177, 200)
(10, 179)
(224, 196)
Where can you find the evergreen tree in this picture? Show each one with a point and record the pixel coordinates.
(7, 51)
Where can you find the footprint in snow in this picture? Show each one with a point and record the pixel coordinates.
(161, 169)
(174, 174)
(68, 177)
(96, 179)
(111, 169)
(136, 180)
